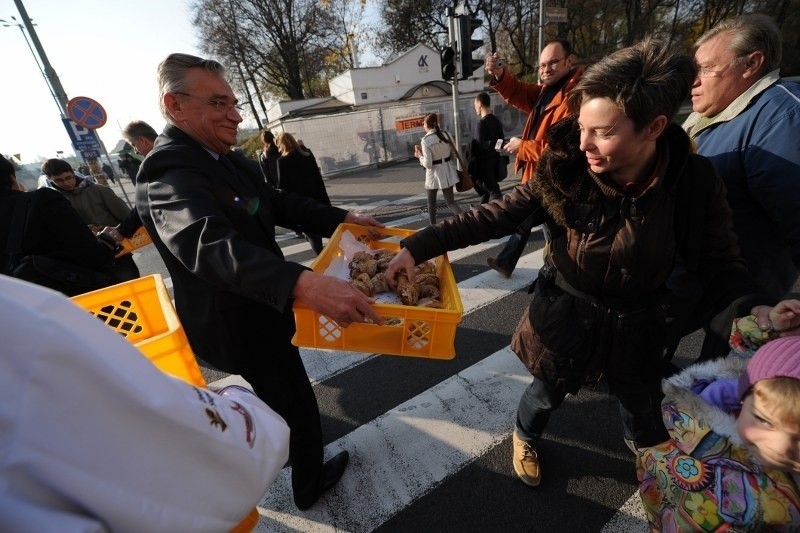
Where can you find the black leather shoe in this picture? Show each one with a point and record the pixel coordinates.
(331, 474)
(492, 262)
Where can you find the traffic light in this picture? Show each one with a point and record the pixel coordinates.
(465, 26)
(448, 63)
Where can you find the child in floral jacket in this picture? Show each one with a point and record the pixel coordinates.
(733, 459)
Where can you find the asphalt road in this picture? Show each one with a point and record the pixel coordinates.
(431, 440)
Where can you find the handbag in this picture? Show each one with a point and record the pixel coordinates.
(465, 182)
(48, 270)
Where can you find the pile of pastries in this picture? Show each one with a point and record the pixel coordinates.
(368, 274)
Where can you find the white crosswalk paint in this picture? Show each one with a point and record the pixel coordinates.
(441, 430)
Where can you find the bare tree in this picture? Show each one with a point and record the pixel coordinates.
(493, 12)
(408, 23)
(522, 28)
(346, 20)
(291, 48)
(221, 37)
(282, 42)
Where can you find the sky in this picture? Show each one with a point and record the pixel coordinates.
(107, 50)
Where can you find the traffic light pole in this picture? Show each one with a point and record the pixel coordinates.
(454, 46)
(49, 72)
(542, 4)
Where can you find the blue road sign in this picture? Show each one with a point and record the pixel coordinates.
(83, 139)
(86, 112)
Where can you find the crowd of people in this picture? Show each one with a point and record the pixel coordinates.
(653, 230)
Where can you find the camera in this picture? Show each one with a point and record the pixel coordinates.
(500, 63)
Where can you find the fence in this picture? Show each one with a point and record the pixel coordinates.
(348, 141)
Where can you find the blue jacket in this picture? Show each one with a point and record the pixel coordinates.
(754, 145)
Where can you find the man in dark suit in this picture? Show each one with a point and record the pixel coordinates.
(212, 218)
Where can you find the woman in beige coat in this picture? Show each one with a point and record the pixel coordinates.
(435, 152)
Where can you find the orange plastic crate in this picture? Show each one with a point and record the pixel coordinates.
(141, 311)
(134, 242)
(419, 332)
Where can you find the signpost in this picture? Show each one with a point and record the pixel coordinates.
(548, 15)
(85, 116)
(83, 139)
(86, 112)
(555, 14)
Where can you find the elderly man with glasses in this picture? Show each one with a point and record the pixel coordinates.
(546, 104)
(212, 218)
(746, 120)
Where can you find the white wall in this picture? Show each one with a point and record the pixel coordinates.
(384, 84)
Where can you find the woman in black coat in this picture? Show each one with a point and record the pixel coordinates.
(53, 227)
(298, 173)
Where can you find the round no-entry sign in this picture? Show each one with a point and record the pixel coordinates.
(86, 112)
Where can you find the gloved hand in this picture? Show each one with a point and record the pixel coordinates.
(109, 242)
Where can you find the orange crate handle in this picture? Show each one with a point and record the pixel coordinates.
(137, 240)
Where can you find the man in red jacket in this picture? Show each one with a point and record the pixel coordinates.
(546, 104)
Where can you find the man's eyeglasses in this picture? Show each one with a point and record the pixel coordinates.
(219, 104)
(713, 72)
(62, 178)
(551, 64)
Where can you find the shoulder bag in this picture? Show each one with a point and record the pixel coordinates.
(47, 270)
(464, 179)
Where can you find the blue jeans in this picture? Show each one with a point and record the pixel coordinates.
(640, 412)
(535, 406)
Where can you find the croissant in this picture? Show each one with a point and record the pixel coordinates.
(434, 303)
(408, 292)
(379, 283)
(429, 291)
(427, 279)
(368, 275)
(363, 283)
(425, 267)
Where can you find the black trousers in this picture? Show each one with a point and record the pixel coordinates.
(487, 187)
(272, 365)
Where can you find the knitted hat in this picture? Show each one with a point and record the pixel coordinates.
(777, 358)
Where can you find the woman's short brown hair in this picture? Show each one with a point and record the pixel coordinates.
(646, 80)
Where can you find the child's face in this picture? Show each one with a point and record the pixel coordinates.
(774, 443)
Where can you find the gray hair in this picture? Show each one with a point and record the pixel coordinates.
(748, 34)
(172, 75)
(139, 128)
